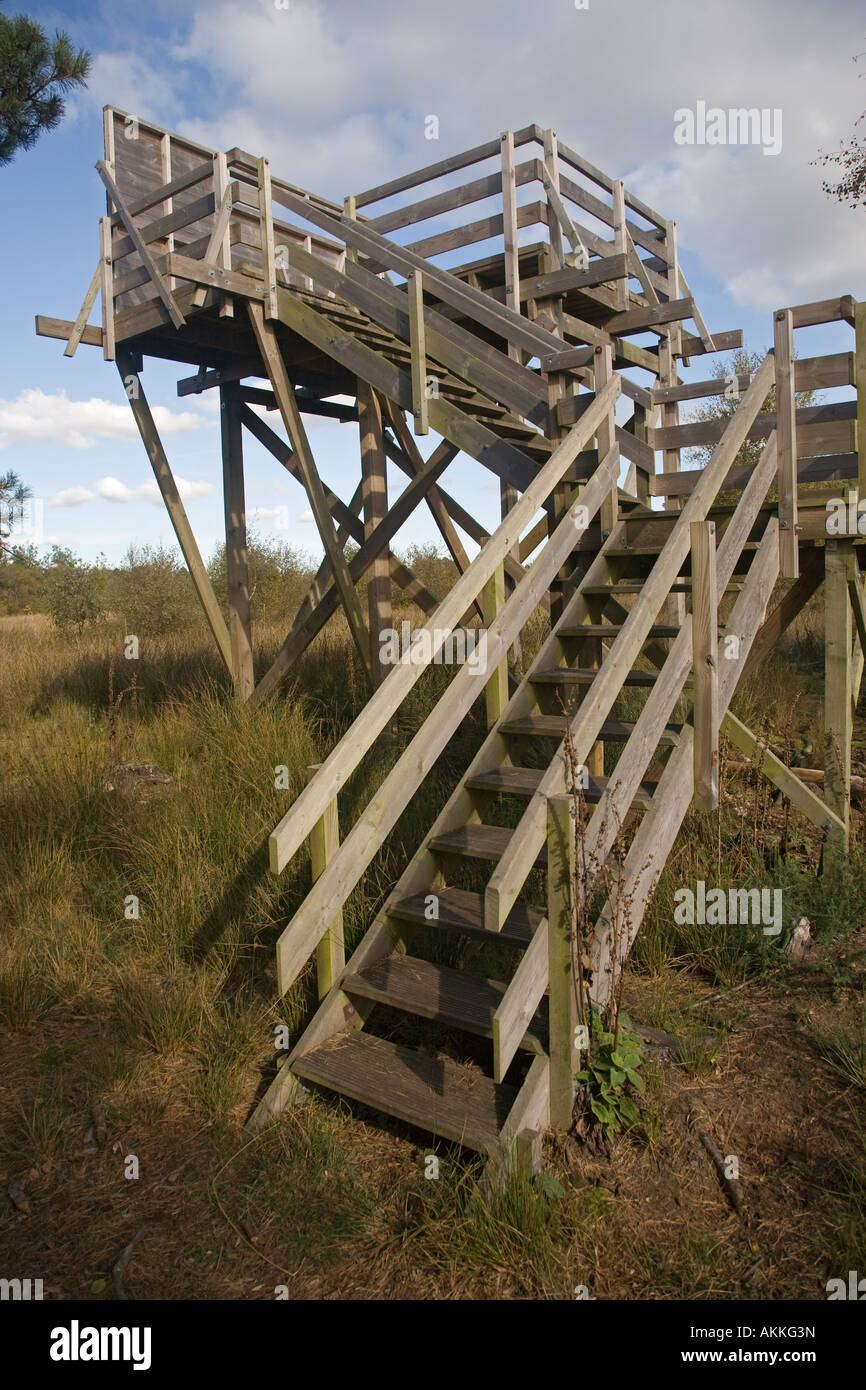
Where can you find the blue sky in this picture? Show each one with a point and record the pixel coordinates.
(336, 94)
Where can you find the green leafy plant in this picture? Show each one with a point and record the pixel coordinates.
(613, 1063)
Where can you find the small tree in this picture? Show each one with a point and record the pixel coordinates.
(75, 596)
(34, 71)
(851, 159)
(13, 495)
(740, 363)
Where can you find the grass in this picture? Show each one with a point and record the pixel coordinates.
(136, 972)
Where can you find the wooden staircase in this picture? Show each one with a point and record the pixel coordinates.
(443, 1015)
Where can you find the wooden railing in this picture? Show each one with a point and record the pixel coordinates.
(364, 840)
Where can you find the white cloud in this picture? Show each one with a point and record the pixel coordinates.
(72, 497)
(364, 77)
(306, 516)
(37, 417)
(113, 490)
(268, 514)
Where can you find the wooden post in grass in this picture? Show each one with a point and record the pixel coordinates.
(324, 843)
(838, 724)
(237, 574)
(705, 646)
(564, 1055)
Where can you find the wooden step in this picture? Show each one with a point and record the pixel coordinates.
(584, 675)
(523, 781)
(478, 842)
(612, 630)
(637, 586)
(454, 998)
(457, 1102)
(555, 725)
(462, 911)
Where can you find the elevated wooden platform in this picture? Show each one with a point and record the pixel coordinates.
(551, 356)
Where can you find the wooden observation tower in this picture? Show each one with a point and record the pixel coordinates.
(551, 356)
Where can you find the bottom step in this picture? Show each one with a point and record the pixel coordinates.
(434, 1093)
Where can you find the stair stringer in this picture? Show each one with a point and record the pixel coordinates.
(655, 836)
(337, 1011)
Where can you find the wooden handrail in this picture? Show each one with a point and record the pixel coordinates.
(509, 876)
(293, 829)
(384, 810)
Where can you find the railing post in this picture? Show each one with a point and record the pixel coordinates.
(606, 436)
(860, 384)
(705, 646)
(324, 843)
(562, 1005)
(418, 345)
(266, 222)
(496, 689)
(105, 260)
(786, 441)
(838, 722)
(620, 240)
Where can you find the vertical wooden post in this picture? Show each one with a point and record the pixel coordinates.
(507, 493)
(603, 360)
(350, 210)
(620, 242)
(374, 485)
(509, 231)
(838, 723)
(705, 646)
(324, 843)
(641, 481)
(496, 689)
(786, 442)
(224, 254)
(237, 574)
(168, 203)
(417, 342)
(564, 1055)
(105, 260)
(860, 383)
(266, 223)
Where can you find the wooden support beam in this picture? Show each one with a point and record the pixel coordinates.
(218, 251)
(509, 218)
(282, 388)
(84, 312)
(563, 1052)
(787, 779)
(791, 603)
(562, 221)
(374, 486)
(705, 645)
(620, 241)
(496, 689)
(107, 288)
(860, 383)
(786, 441)
(417, 342)
(603, 368)
(324, 843)
(147, 260)
(266, 222)
(126, 366)
(237, 572)
(838, 725)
